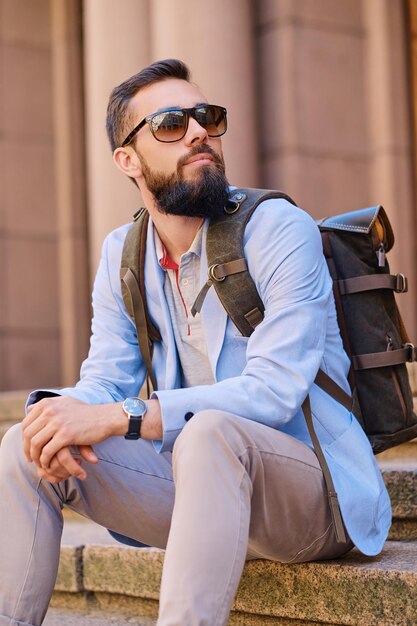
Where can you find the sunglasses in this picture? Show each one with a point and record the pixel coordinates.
(171, 124)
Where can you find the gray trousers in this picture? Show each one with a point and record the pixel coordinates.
(231, 490)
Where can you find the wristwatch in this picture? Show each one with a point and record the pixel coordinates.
(135, 409)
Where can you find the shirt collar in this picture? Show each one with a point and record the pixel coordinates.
(165, 260)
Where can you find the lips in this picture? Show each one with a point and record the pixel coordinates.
(201, 156)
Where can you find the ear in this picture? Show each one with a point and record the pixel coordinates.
(128, 162)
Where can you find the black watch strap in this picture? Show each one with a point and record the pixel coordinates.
(135, 423)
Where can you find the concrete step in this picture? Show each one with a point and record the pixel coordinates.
(354, 591)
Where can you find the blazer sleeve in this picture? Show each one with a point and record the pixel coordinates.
(285, 258)
(113, 369)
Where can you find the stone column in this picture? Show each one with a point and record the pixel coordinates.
(390, 130)
(116, 46)
(69, 165)
(216, 40)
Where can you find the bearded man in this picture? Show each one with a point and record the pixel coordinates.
(217, 467)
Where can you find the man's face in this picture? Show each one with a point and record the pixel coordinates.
(186, 177)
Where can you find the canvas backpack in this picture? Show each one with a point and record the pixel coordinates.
(355, 246)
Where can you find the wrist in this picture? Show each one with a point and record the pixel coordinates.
(152, 421)
(120, 421)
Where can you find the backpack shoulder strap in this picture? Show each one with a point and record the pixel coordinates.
(132, 277)
(225, 257)
(239, 296)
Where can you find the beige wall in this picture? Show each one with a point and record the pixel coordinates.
(29, 316)
(116, 45)
(318, 94)
(44, 274)
(411, 18)
(336, 125)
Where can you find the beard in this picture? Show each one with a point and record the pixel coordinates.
(204, 196)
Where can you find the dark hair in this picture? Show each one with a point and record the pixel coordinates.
(117, 120)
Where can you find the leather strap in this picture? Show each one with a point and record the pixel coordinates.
(153, 331)
(254, 317)
(138, 307)
(356, 284)
(329, 386)
(331, 491)
(217, 273)
(385, 359)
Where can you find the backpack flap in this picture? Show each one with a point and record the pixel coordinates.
(371, 327)
(362, 221)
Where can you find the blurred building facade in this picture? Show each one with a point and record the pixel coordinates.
(321, 97)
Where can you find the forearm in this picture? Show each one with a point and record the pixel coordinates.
(56, 423)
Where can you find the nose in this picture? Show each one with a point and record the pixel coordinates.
(195, 132)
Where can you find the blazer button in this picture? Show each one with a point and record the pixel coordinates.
(188, 416)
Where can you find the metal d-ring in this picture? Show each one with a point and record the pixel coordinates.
(235, 201)
(212, 274)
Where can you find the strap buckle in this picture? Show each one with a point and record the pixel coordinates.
(401, 283)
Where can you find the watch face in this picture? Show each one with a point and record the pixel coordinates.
(134, 406)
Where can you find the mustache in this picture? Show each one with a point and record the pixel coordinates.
(202, 148)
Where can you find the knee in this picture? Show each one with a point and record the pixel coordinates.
(208, 430)
(12, 440)
(213, 443)
(11, 449)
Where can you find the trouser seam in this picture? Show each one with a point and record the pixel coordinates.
(226, 596)
(136, 471)
(277, 454)
(311, 544)
(13, 617)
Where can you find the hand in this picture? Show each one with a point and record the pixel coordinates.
(64, 464)
(53, 424)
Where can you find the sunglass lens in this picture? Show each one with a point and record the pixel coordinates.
(213, 119)
(168, 125)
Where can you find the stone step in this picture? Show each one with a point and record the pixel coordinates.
(353, 591)
(95, 617)
(404, 453)
(401, 482)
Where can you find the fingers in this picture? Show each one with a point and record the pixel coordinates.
(70, 464)
(45, 431)
(36, 429)
(35, 438)
(63, 465)
(88, 454)
(53, 424)
(48, 476)
(44, 448)
(56, 471)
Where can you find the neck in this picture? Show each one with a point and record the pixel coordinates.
(176, 232)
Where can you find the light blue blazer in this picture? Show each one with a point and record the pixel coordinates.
(264, 378)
